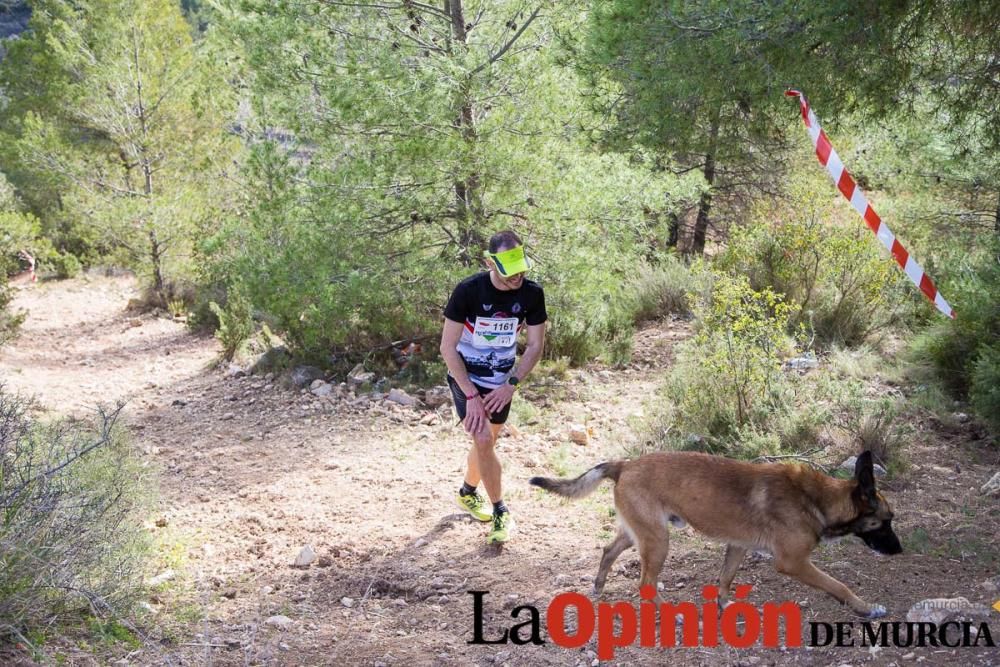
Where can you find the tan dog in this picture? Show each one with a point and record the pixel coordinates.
(782, 509)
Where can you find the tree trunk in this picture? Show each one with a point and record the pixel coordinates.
(468, 195)
(156, 255)
(996, 217)
(673, 229)
(705, 203)
(155, 246)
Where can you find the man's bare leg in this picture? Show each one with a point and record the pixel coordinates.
(483, 464)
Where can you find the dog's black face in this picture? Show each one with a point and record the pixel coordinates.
(874, 526)
(880, 537)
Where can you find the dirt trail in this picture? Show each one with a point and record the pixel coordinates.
(79, 347)
(250, 472)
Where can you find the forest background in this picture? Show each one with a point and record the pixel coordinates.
(313, 177)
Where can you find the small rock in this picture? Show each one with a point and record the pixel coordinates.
(161, 522)
(235, 371)
(578, 434)
(944, 610)
(420, 542)
(848, 465)
(228, 416)
(179, 402)
(430, 419)
(322, 390)
(347, 602)
(805, 362)
(401, 397)
(280, 622)
(437, 396)
(302, 376)
(359, 376)
(305, 557)
(316, 384)
(992, 487)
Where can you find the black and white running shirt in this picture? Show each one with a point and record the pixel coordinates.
(492, 319)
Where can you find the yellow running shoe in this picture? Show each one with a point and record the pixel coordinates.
(503, 528)
(476, 505)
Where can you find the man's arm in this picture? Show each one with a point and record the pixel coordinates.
(532, 350)
(475, 413)
(500, 397)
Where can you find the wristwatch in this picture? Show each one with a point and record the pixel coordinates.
(513, 381)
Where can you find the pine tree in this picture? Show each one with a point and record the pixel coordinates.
(115, 129)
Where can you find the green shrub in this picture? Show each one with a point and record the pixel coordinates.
(658, 290)
(845, 289)
(961, 353)
(10, 322)
(586, 296)
(235, 322)
(862, 362)
(739, 343)
(65, 265)
(595, 315)
(70, 539)
(984, 392)
(877, 425)
(942, 353)
(728, 377)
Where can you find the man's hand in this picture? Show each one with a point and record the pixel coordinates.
(476, 417)
(497, 400)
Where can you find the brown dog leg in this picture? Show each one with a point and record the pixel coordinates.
(809, 574)
(653, 550)
(611, 552)
(734, 558)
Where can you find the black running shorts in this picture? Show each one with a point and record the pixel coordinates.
(458, 396)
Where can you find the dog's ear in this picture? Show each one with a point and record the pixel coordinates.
(864, 473)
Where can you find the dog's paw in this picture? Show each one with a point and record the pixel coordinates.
(877, 611)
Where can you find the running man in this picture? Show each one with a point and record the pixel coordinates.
(479, 342)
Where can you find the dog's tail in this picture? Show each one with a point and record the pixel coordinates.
(582, 485)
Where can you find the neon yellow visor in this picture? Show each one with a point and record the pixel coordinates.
(510, 262)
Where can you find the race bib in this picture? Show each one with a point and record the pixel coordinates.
(494, 331)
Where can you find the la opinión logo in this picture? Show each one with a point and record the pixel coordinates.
(737, 625)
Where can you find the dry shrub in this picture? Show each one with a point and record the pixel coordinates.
(70, 540)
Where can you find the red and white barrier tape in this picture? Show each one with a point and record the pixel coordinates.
(849, 188)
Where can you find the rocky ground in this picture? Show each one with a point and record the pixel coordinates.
(254, 474)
